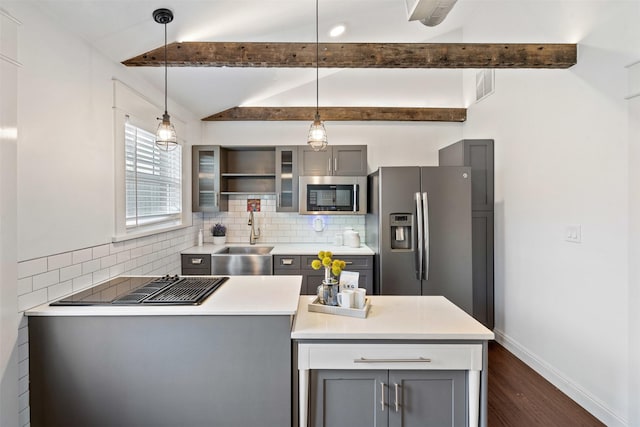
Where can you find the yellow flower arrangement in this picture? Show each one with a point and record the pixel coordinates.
(331, 266)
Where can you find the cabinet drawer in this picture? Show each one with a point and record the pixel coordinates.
(196, 264)
(286, 262)
(390, 356)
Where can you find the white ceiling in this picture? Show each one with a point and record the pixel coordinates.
(123, 29)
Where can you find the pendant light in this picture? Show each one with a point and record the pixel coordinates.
(317, 138)
(166, 139)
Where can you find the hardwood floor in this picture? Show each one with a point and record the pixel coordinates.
(519, 397)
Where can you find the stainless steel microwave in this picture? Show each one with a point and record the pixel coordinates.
(338, 195)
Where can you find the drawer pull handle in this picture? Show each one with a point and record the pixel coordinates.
(382, 396)
(397, 403)
(348, 262)
(286, 261)
(196, 260)
(418, 360)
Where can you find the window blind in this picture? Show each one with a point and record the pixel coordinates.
(153, 180)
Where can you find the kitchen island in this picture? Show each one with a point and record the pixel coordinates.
(225, 362)
(414, 360)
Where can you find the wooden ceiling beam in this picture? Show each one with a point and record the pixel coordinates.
(341, 114)
(361, 55)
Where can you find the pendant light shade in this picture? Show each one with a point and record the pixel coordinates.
(166, 138)
(317, 138)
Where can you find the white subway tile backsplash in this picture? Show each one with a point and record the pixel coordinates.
(23, 401)
(101, 275)
(116, 270)
(58, 261)
(81, 282)
(100, 251)
(59, 290)
(23, 352)
(91, 266)
(31, 267)
(25, 285)
(24, 417)
(82, 255)
(70, 272)
(23, 368)
(108, 261)
(32, 299)
(123, 256)
(46, 279)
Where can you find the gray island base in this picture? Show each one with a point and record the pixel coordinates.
(224, 363)
(414, 361)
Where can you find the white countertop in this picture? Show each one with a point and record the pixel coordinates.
(392, 317)
(240, 295)
(286, 249)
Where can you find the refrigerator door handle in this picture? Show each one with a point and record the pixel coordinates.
(425, 216)
(418, 253)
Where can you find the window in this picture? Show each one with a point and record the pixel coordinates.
(153, 180)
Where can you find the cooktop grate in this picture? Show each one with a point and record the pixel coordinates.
(186, 291)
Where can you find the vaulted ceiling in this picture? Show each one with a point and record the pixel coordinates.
(122, 30)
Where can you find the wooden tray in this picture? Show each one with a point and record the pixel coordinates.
(341, 311)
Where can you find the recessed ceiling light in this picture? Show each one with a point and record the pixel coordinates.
(338, 30)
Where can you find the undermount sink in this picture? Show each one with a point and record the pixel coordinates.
(246, 250)
(242, 260)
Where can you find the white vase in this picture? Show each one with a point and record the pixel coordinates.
(219, 240)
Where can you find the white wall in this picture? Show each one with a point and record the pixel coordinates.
(561, 144)
(66, 151)
(9, 319)
(389, 143)
(634, 244)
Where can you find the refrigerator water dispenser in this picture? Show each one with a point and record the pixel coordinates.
(401, 225)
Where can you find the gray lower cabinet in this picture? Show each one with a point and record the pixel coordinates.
(311, 279)
(196, 265)
(155, 371)
(377, 398)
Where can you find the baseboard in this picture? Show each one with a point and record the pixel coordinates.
(575, 392)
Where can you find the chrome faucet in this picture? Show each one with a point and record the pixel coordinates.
(253, 236)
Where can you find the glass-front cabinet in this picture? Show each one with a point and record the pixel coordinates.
(287, 178)
(206, 179)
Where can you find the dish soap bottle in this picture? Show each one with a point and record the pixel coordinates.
(200, 237)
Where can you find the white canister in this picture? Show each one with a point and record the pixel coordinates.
(346, 236)
(354, 240)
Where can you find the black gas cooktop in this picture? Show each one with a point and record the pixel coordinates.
(138, 290)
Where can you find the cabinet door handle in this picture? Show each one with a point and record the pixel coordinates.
(418, 360)
(329, 160)
(397, 403)
(335, 164)
(382, 396)
(215, 199)
(278, 200)
(196, 261)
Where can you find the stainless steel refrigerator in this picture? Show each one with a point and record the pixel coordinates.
(419, 225)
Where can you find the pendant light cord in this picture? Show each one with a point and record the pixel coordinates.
(317, 66)
(165, 68)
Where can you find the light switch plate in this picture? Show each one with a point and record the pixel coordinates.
(573, 233)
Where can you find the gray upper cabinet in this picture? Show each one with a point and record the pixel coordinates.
(206, 179)
(477, 153)
(346, 160)
(287, 179)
